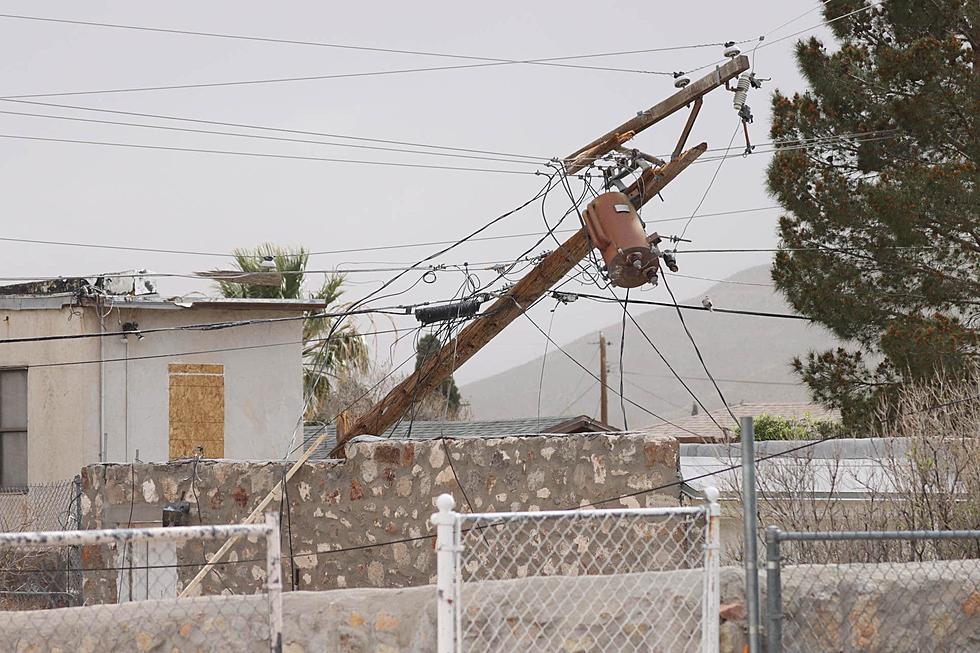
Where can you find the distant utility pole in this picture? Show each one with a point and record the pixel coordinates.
(603, 381)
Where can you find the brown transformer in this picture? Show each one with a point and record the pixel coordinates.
(616, 231)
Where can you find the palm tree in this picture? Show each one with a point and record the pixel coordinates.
(344, 352)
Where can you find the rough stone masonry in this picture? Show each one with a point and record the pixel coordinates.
(383, 492)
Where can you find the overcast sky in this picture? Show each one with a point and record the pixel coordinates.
(213, 202)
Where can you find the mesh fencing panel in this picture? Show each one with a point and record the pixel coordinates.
(131, 580)
(43, 507)
(877, 595)
(581, 581)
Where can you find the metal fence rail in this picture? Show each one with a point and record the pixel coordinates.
(894, 591)
(643, 579)
(137, 576)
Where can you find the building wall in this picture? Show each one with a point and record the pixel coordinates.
(384, 491)
(263, 386)
(63, 400)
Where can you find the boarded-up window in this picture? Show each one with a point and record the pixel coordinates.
(197, 410)
(13, 428)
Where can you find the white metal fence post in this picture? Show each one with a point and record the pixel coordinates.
(445, 521)
(273, 581)
(711, 600)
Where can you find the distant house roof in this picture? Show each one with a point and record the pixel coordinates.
(707, 431)
(843, 468)
(490, 429)
(132, 289)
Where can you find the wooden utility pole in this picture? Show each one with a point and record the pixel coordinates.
(603, 381)
(557, 264)
(528, 290)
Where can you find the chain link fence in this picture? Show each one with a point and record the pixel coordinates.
(41, 507)
(887, 591)
(643, 579)
(133, 584)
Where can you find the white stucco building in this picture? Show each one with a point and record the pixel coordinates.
(233, 392)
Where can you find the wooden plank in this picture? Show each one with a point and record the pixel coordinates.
(682, 141)
(657, 112)
(505, 310)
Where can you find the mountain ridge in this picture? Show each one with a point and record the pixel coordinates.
(749, 357)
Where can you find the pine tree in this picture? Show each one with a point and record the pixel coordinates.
(881, 239)
(449, 400)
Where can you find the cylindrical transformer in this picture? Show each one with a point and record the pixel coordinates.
(616, 231)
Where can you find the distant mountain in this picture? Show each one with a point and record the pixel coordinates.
(748, 356)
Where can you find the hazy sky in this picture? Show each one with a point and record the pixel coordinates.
(213, 202)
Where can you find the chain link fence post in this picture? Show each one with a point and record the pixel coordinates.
(75, 553)
(711, 603)
(774, 597)
(273, 580)
(446, 547)
(750, 518)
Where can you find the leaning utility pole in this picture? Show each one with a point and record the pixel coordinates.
(539, 281)
(603, 378)
(528, 290)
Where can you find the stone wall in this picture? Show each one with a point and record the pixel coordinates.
(384, 492)
(388, 621)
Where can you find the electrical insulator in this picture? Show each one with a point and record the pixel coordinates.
(731, 51)
(681, 80)
(616, 230)
(742, 91)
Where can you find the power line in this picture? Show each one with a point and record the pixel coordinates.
(535, 158)
(348, 250)
(710, 184)
(550, 61)
(719, 379)
(844, 250)
(261, 154)
(243, 276)
(272, 138)
(670, 367)
(823, 24)
(689, 307)
(590, 373)
(273, 129)
(403, 309)
(308, 78)
(730, 281)
(697, 350)
(195, 352)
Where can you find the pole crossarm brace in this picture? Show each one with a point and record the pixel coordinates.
(527, 291)
(583, 157)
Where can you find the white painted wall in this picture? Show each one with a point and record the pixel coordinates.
(63, 400)
(263, 385)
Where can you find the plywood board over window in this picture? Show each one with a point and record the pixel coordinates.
(197, 410)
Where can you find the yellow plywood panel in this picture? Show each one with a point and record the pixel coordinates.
(196, 380)
(197, 410)
(195, 368)
(197, 404)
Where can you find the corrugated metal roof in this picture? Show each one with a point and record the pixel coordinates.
(844, 468)
(405, 430)
(706, 429)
